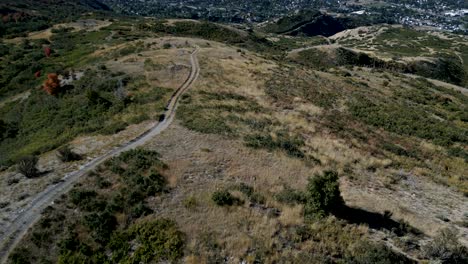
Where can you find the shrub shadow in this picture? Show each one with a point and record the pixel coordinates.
(42, 173)
(375, 220)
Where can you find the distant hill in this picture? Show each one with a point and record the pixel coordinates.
(313, 23)
(308, 23)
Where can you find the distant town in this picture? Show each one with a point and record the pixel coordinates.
(448, 15)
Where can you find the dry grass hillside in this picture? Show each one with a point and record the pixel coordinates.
(230, 179)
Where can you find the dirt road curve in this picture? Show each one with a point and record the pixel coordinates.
(32, 212)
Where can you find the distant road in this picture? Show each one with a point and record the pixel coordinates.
(13, 233)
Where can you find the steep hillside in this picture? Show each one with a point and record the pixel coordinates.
(285, 149)
(431, 54)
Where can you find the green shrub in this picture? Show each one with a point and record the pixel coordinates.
(368, 252)
(190, 202)
(245, 189)
(27, 166)
(66, 154)
(257, 198)
(290, 196)
(127, 50)
(87, 200)
(398, 150)
(223, 198)
(249, 191)
(458, 152)
(139, 210)
(446, 248)
(157, 241)
(303, 233)
(105, 218)
(283, 141)
(135, 160)
(101, 224)
(323, 195)
(139, 176)
(20, 255)
(113, 128)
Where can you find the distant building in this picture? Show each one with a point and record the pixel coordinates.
(360, 12)
(455, 13)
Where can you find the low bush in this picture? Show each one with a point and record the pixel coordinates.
(101, 224)
(66, 154)
(445, 248)
(105, 220)
(283, 141)
(158, 241)
(395, 149)
(290, 196)
(28, 166)
(323, 195)
(223, 198)
(458, 152)
(190, 202)
(20, 255)
(367, 252)
(134, 160)
(87, 200)
(247, 190)
(257, 198)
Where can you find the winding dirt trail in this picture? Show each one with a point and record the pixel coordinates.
(31, 213)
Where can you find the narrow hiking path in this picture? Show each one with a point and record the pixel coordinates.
(13, 233)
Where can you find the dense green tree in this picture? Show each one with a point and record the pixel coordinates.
(323, 195)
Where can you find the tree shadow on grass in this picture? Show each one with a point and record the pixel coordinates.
(375, 220)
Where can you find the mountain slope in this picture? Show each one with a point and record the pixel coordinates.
(22, 16)
(235, 176)
(299, 142)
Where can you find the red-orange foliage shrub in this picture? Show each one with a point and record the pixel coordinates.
(47, 51)
(52, 84)
(6, 18)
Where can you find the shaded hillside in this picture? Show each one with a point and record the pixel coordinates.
(436, 55)
(313, 23)
(442, 67)
(309, 23)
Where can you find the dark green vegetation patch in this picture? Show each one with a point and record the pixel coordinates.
(421, 112)
(43, 122)
(21, 17)
(97, 221)
(93, 102)
(442, 66)
(214, 32)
